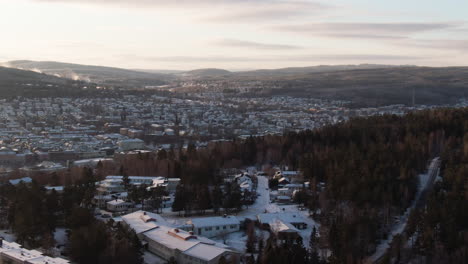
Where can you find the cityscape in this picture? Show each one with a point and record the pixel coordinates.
(233, 132)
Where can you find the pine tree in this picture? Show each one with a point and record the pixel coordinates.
(179, 199)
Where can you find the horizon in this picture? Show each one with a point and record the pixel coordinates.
(5, 64)
(235, 35)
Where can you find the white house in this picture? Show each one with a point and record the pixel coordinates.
(214, 226)
(118, 205)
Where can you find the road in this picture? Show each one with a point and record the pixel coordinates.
(261, 203)
(426, 182)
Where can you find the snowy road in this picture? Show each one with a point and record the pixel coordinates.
(262, 202)
(426, 181)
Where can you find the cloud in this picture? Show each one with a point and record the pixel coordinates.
(365, 30)
(251, 11)
(437, 44)
(254, 45)
(305, 58)
(226, 11)
(287, 4)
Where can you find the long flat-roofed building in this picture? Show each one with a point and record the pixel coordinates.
(214, 226)
(13, 253)
(168, 242)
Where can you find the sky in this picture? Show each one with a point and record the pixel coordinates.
(235, 34)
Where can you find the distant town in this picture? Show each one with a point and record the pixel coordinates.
(47, 134)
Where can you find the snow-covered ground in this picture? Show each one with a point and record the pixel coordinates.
(60, 236)
(262, 205)
(398, 228)
(7, 235)
(238, 240)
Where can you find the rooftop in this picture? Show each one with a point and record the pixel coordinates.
(214, 221)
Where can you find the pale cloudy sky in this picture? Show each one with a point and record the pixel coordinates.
(235, 34)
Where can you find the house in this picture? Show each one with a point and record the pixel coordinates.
(141, 221)
(165, 241)
(283, 199)
(283, 230)
(169, 184)
(288, 174)
(118, 205)
(214, 226)
(291, 218)
(186, 247)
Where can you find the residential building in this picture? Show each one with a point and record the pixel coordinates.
(214, 226)
(13, 253)
(185, 247)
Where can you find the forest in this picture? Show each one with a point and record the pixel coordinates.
(362, 172)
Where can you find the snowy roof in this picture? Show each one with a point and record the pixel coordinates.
(184, 241)
(214, 221)
(285, 217)
(14, 250)
(294, 185)
(18, 181)
(116, 202)
(22, 254)
(283, 179)
(289, 173)
(48, 260)
(205, 252)
(149, 178)
(279, 226)
(56, 188)
(141, 221)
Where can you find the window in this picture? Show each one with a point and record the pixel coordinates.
(233, 226)
(224, 227)
(217, 228)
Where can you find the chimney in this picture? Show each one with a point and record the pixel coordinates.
(176, 230)
(191, 233)
(224, 215)
(1, 242)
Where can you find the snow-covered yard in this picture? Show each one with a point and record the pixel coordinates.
(7, 235)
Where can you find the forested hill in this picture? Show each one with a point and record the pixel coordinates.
(14, 82)
(369, 169)
(110, 76)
